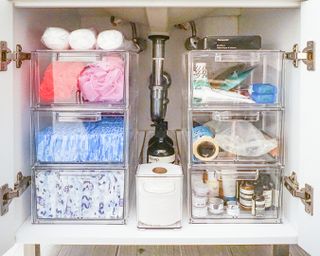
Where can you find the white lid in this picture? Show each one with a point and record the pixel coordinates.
(159, 170)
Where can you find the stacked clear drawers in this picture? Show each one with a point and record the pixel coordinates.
(234, 130)
(83, 134)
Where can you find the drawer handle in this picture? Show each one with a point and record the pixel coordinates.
(227, 116)
(78, 117)
(239, 175)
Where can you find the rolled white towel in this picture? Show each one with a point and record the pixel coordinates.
(83, 39)
(56, 38)
(114, 40)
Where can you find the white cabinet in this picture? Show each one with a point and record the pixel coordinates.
(22, 22)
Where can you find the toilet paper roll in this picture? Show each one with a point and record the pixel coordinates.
(114, 40)
(56, 38)
(83, 39)
(204, 146)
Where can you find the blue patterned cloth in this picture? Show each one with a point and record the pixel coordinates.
(79, 195)
(65, 142)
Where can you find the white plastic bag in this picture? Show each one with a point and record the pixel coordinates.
(241, 138)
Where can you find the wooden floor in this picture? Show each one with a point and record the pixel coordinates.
(244, 250)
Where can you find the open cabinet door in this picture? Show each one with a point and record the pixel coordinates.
(8, 222)
(309, 130)
(14, 141)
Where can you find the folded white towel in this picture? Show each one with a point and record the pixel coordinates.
(83, 39)
(114, 40)
(56, 38)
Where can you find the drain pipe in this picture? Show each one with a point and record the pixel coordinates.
(159, 80)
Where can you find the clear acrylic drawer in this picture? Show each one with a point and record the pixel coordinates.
(63, 137)
(235, 195)
(235, 137)
(79, 194)
(235, 78)
(62, 78)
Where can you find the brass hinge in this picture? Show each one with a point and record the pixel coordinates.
(306, 56)
(305, 194)
(8, 194)
(7, 56)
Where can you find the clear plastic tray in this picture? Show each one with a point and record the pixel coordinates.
(210, 189)
(64, 137)
(79, 194)
(235, 78)
(235, 137)
(64, 78)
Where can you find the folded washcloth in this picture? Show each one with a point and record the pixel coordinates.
(56, 38)
(83, 39)
(82, 142)
(114, 40)
(103, 81)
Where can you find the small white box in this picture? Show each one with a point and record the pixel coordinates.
(159, 188)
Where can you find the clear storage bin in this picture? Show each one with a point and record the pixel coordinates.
(235, 195)
(63, 137)
(235, 77)
(235, 137)
(79, 194)
(62, 78)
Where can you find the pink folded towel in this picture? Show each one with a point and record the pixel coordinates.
(103, 81)
(59, 83)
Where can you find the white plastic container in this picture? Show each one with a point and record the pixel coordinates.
(159, 188)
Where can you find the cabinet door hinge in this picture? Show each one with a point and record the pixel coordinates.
(306, 56)
(305, 194)
(7, 56)
(7, 194)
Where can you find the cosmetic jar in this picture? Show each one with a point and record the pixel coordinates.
(258, 205)
(233, 209)
(199, 201)
(215, 205)
(246, 193)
